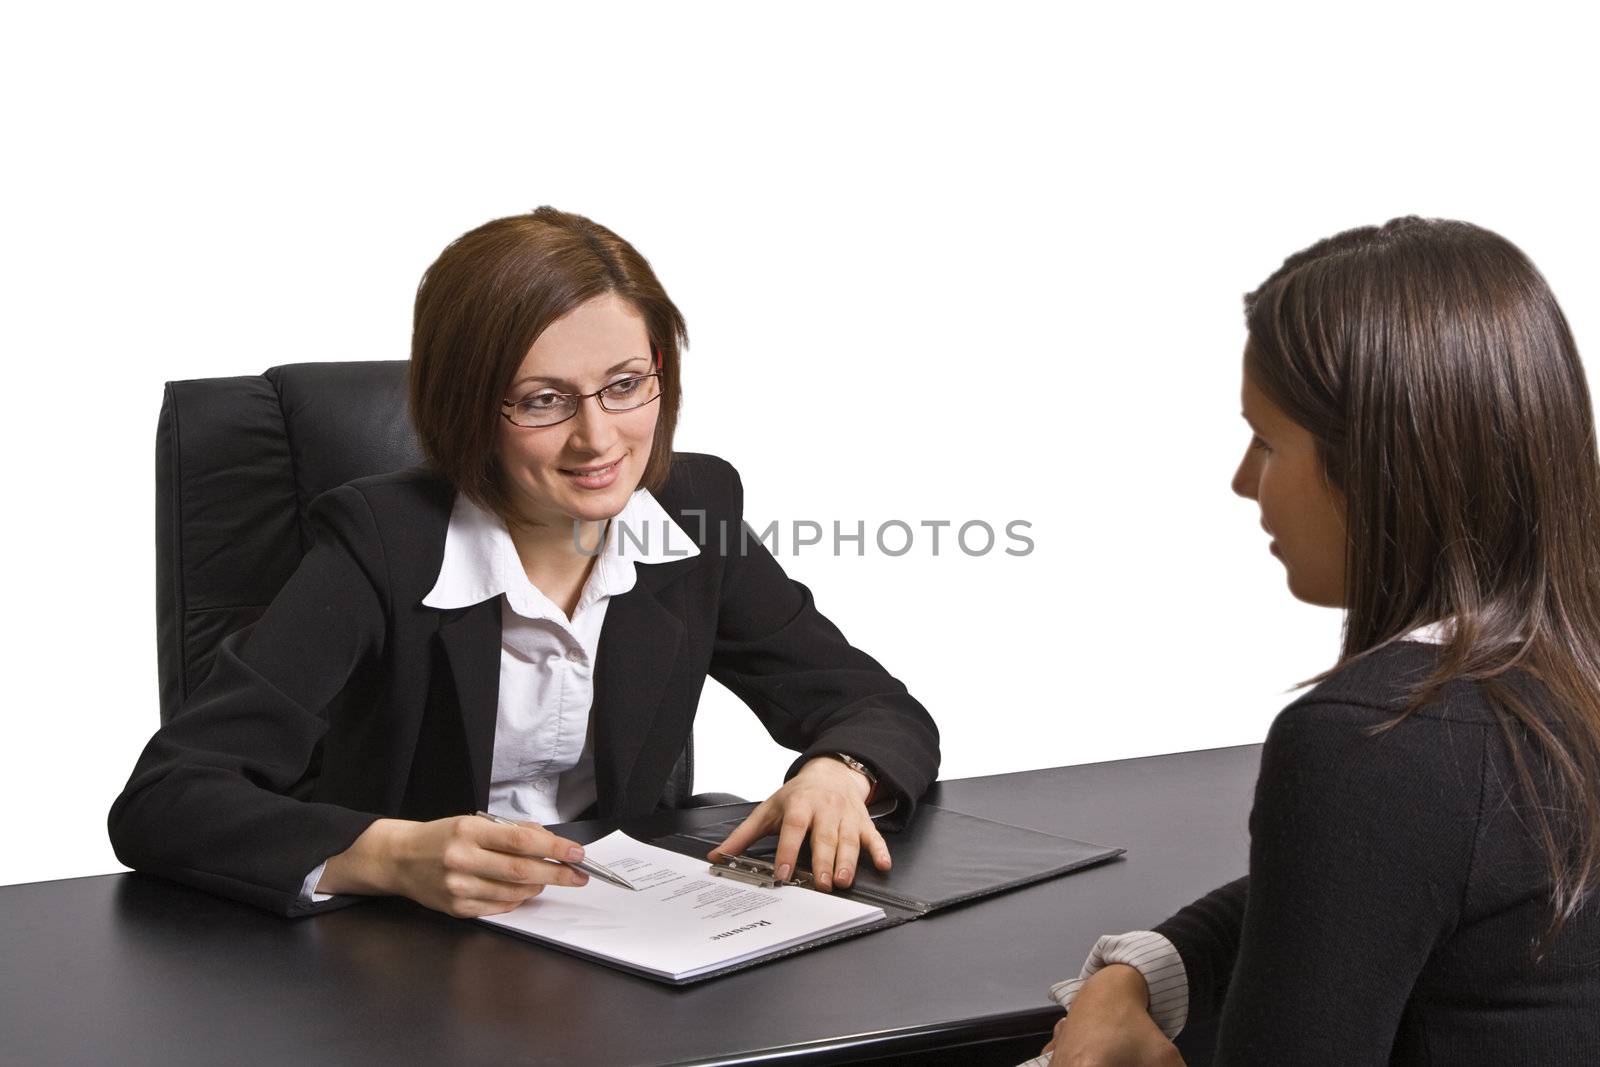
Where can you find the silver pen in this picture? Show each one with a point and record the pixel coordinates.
(599, 870)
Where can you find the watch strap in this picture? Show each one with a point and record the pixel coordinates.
(856, 765)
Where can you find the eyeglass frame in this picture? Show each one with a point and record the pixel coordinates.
(579, 398)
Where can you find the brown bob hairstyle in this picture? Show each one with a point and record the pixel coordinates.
(481, 306)
(1434, 369)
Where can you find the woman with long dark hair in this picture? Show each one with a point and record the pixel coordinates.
(1425, 840)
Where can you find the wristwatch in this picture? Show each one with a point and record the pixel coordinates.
(856, 765)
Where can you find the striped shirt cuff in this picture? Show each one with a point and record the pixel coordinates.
(1152, 956)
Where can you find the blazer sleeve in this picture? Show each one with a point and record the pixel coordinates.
(812, 689)
(207, 803)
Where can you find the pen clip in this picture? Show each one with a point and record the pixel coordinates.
(758, 872)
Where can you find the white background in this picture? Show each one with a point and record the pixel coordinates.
(938, 263)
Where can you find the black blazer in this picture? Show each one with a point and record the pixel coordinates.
(349, 700)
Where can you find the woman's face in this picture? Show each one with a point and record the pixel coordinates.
(1299, 509)
(586, 467)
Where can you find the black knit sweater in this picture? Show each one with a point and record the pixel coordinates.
(1395, 896)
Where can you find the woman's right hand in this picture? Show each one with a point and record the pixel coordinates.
(466, 866)
(1110, 1025)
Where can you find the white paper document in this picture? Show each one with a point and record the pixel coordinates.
(683, 921)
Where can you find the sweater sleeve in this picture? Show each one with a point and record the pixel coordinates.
(1206, 935)
(1361, 846)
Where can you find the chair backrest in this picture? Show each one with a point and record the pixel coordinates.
(238, 462)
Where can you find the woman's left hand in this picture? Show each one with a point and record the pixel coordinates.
(827, 800)
(1110, 1025)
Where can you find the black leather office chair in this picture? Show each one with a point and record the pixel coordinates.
(238, 461)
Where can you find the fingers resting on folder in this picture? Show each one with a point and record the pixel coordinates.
(465, 866)
(827, 802)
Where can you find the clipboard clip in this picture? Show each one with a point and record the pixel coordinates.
(758, 872)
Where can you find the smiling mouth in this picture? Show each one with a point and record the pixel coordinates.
(590, 472)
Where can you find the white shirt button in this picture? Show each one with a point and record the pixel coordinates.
(575, 655)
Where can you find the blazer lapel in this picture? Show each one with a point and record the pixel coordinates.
(472, 642)
(638, 652)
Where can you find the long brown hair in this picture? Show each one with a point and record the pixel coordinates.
(480, 307)
(1430, 362)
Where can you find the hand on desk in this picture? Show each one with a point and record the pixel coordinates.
(464, 866)
(827, 800)
(1110, 1025)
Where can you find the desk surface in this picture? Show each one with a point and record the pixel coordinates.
(132, 969)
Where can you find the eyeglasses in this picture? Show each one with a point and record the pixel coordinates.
(549, 408)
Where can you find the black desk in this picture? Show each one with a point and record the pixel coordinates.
(130, 969)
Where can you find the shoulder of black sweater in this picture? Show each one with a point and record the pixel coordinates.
(1378, 687)
(1352, 744)
(1347, 814)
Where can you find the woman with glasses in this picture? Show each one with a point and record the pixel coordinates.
(523, 626)
(1425, 839)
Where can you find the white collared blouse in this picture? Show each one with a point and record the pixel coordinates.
(543, 769)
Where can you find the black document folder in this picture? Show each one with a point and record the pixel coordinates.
(942, 859)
